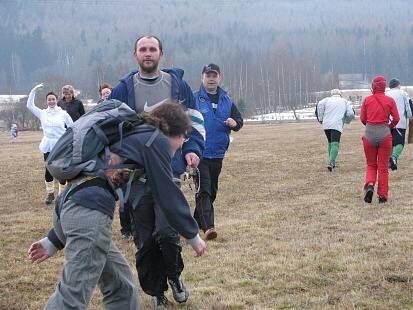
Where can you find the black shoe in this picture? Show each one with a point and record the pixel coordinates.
(382, 200)
(393, 163)
(179, 291)
(331, 167)
(160, 302)
(368, 193)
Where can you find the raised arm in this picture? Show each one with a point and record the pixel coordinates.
(30, 101)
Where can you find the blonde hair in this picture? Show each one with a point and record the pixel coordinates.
(335, 92)
(69, 88)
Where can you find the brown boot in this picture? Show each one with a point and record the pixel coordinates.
(211, 234)
(49, 198)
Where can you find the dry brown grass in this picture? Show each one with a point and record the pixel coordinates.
(291, 235)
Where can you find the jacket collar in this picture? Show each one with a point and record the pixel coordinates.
(55, 109)
(204, 93)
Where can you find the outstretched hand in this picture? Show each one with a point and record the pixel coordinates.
(38, 86)
(37, 253)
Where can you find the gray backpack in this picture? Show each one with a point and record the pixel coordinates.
(84, 147)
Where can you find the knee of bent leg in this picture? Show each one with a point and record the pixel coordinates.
(128, 285)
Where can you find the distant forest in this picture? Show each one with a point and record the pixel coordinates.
(273, 54)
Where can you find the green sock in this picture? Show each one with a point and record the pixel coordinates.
(334, 152)
(397, 150)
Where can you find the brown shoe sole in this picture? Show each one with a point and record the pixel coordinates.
(210, 234)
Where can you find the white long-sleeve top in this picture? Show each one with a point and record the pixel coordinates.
(403, 106)
(334, 111)
(53, 121)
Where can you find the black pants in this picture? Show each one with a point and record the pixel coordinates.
(47, 176)
(209, 169)
(150, 222)
(399, 136)
(125, 218)
(332, 135)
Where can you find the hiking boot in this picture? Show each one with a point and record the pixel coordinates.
(382, 199)
(393, 163)
(179, 291)
(368, 193)
(331, 167)
(160, 302)
(211, 234)
(49, 198)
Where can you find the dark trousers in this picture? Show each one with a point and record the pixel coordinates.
(47, 176)
(125, 217)
(332, 135)
(209, 169)
(399, 136)
(150, 222)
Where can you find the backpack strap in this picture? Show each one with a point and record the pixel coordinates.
(124, 197)
(381, 105)
(152, 138)
(120, 128)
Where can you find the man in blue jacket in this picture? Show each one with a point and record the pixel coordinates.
(220, 116)
(143, 90)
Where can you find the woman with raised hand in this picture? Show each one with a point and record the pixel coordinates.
(54, 122)
(375, 113)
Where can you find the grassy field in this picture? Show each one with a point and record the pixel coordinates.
(291, 234)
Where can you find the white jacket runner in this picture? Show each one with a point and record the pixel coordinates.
(333, 111)
(403, 106)
(53, 122)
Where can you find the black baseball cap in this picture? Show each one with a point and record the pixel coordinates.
(211, 68)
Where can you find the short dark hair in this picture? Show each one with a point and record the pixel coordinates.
(170, 118)
(104, 85)
(148, 37)
(51, 93)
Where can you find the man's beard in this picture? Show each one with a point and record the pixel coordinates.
(149, 68)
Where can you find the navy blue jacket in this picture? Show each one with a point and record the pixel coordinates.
(182, 93)
(217, 132)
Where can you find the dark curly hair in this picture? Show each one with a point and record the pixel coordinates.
(170, 118)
